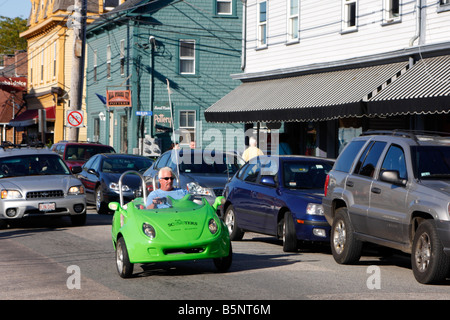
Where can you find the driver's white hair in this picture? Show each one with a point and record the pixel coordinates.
(165, 169)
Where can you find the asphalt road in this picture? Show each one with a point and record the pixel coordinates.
(50, 259)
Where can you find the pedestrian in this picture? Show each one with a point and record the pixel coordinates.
(283, 146)
(252, 151)
(156, 198)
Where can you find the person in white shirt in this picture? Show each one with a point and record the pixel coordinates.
(252, 151)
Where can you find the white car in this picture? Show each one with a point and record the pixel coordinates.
(37, 182)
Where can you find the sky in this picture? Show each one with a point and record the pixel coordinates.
(15, 8)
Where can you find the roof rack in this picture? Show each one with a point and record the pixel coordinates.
(412, 134)
(9, 145)
(75, 141)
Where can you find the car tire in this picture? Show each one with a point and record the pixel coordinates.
(124, 267)
(224, 263)
(78, 220)
(429, 262)
(235, 232)
(100, 205)
(289, 235)
(345, 247)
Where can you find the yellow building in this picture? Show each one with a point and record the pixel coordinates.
(50, 55)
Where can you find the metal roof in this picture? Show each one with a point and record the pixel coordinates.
(311, 97)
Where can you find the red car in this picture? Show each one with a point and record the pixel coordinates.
(77, 153)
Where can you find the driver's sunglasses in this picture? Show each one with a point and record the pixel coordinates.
(167, 178)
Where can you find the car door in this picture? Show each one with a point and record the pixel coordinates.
(89, 177)
(243, 196)
(266, 196)
(387, 214)
(359, 184)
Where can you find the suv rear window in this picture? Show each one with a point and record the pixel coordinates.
(348, 155)
(81, 152)
(431, 162)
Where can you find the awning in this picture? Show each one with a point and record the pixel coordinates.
(425, 88)
(30, 117)
(312, 97)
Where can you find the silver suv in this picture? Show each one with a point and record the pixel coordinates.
(37, 182)
(392, 189)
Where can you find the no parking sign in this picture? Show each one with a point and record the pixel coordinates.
(75, 119)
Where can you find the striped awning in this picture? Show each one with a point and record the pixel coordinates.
(311, 97)
(423, 89)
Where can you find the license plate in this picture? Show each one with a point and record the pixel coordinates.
(47, 206)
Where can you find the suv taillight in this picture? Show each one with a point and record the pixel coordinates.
(325, 187)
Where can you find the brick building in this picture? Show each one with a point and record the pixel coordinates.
(13, 86)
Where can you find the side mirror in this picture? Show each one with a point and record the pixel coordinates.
(268, 181)
(92, 171)
(113, 206)
(76, 169)
(392, 176)
(218, 202)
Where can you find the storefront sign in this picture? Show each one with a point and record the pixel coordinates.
(162, 118)
(118, 98)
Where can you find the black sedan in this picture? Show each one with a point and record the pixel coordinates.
(100, 177)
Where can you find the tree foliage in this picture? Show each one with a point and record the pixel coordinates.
(10, 28)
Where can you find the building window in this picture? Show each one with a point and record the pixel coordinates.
(187, 127)
(96, 135)
(349, 15)
(262, 24)
(42, 65)
(187, 56)
(95, 66)
(224, 7)
(391, 11)
(444, 5)
(31, 68)
(123, 134)
(122, 57)
(108, 62)
(54, 59)
(293, 17)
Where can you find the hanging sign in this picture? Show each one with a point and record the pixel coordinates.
(118, 98)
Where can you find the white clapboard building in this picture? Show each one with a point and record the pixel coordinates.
(324, 71)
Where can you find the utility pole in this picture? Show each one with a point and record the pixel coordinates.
(76, 85)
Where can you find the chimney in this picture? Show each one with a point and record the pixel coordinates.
(21, 61)
(8, 60)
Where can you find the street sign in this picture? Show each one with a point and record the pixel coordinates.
(75, 119)
(144, 113)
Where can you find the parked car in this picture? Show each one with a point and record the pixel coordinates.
(280, 196)
(201, 172)
(37, 182)
(186, 230)
(77, 153)
(101, 173)
(392, 189)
